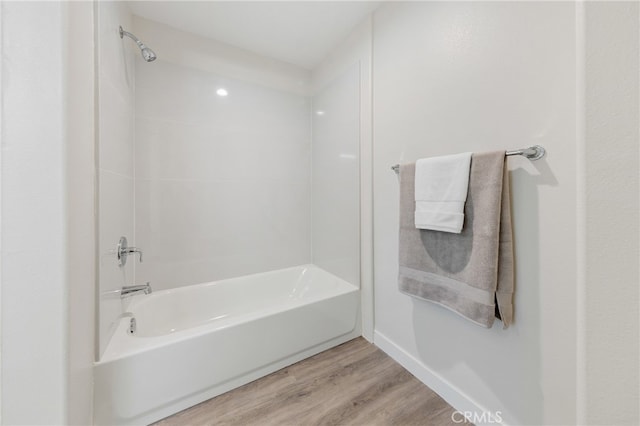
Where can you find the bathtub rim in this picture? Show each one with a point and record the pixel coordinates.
(142, 344)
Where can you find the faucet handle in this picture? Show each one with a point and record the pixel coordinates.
(123, 250)
(134, 250)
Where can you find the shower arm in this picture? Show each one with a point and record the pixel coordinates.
(132, 37)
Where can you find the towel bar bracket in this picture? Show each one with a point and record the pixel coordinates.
(533, 153)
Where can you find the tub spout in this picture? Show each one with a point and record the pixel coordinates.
(132, 290)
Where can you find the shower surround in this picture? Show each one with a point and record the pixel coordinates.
(229, 164)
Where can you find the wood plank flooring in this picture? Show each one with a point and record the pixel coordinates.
(352, 384)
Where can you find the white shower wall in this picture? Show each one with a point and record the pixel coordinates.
(336, 183)
(222, 182)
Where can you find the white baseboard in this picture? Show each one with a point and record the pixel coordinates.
(454, 396)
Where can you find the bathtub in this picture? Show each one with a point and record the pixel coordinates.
(193, 343)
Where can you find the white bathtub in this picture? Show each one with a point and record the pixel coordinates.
(196, 342)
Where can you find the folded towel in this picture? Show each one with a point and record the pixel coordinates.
(441, 189)
(468, 272)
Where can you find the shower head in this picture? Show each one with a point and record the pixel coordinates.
(147, 54)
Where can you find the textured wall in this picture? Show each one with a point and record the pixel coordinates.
(481, 76)
(34, 284)
(612, 291)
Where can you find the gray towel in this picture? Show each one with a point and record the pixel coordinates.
(468, 272)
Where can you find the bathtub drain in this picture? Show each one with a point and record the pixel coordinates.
(132, 326)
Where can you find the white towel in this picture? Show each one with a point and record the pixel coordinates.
(441, 185)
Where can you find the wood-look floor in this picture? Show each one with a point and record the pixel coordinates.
(352, 384)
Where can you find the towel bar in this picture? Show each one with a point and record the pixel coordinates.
(533, 153)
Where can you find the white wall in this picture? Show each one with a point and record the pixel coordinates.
(223, 184)
(610, 315)
(335, 171)
(33, 272)
(81, 223)
(116, 111)
(34, 276)
(480, 76)
(47, 228)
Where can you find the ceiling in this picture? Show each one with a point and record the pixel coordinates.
(298, 32)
